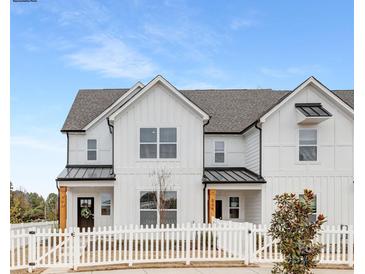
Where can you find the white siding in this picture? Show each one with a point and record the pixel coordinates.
(74, 192)
(78, 145)
(331, 177)
(252, 153)
(234, 146)
(253, 206)
(158, 107)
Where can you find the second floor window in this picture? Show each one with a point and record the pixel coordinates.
(307, 144)
(158, 143)
(219, 152)
(91, 149)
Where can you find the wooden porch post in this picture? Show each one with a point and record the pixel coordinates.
(211, 204)
(63, 207)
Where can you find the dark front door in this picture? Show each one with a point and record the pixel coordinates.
(218, 209)
(85, 212)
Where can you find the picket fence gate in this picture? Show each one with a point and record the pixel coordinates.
(219, 241)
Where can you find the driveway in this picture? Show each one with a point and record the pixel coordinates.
(218, 270)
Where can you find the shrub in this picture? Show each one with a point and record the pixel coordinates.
(296, 234)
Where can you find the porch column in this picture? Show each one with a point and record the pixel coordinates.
(63, 207)
(211, 204)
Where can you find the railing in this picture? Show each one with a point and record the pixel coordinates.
(34, 225)
(219, 241)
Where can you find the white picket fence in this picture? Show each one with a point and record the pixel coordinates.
(219, 241)
(338, 245)
(34, 225)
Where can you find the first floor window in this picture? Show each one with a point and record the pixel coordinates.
(106, 202)
(91, 149)
(219, 152)
(158, 207)
(234, 207)
(313, 215)
(307, 144)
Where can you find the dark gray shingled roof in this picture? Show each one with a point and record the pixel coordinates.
(231, 110)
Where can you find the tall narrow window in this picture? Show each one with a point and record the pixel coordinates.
(313, 215)
(219, 151)
(148, 208)
(91, 149)
(234, 207)
(168, 143)
(148, 143)
(308, 145)
(106, 201)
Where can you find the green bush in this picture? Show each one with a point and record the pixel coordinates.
(292, 227)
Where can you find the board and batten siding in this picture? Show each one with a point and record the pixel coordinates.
(158, 107)
(331, 177)
(234, 150)
(252, 153)
(78, 145)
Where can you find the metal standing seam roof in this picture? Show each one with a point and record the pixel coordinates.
(231, 110)
(86, 173)
(230, 175)
(313, 110)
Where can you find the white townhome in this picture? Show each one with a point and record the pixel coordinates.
(228, 153)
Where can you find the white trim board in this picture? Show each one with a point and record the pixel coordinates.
(125, 97)
(310, 81)
(163, 81)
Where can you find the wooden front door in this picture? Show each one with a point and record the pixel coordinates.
(85, 212)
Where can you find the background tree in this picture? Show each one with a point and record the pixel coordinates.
(31, 207)
(291, 225)
(51, 207)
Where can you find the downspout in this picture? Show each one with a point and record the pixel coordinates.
(260, 149)
(205, 184)
(111, 130)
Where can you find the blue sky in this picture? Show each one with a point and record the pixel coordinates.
(58, 47)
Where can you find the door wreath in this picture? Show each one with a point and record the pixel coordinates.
(86, 213)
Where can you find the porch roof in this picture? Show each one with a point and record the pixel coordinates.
(230, 175)
(86, 173)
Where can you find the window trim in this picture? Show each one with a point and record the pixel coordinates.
(177, 159)
(234, 207)
(158, 205)
(215, 151)
(298, 147)
(96, 149)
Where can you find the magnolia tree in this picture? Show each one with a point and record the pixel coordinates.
(296, 233)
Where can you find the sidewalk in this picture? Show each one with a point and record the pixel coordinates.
(218, 270)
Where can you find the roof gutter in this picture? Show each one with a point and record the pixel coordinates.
(260, 148)
(111, 130)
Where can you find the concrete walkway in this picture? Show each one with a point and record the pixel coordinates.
(218, 270)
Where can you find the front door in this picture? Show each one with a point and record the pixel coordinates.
(218, 209)
(85, 212)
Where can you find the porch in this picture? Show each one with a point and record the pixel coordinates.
(233, 194)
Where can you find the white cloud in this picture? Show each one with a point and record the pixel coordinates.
(32, 143)
(111, 57)
(290, 71)
(239, 23)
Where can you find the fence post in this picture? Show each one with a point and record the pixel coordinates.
(130, 246)
(351, 246)
(31, 249)
(76, 248)
(248, 242)
(188, 243)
